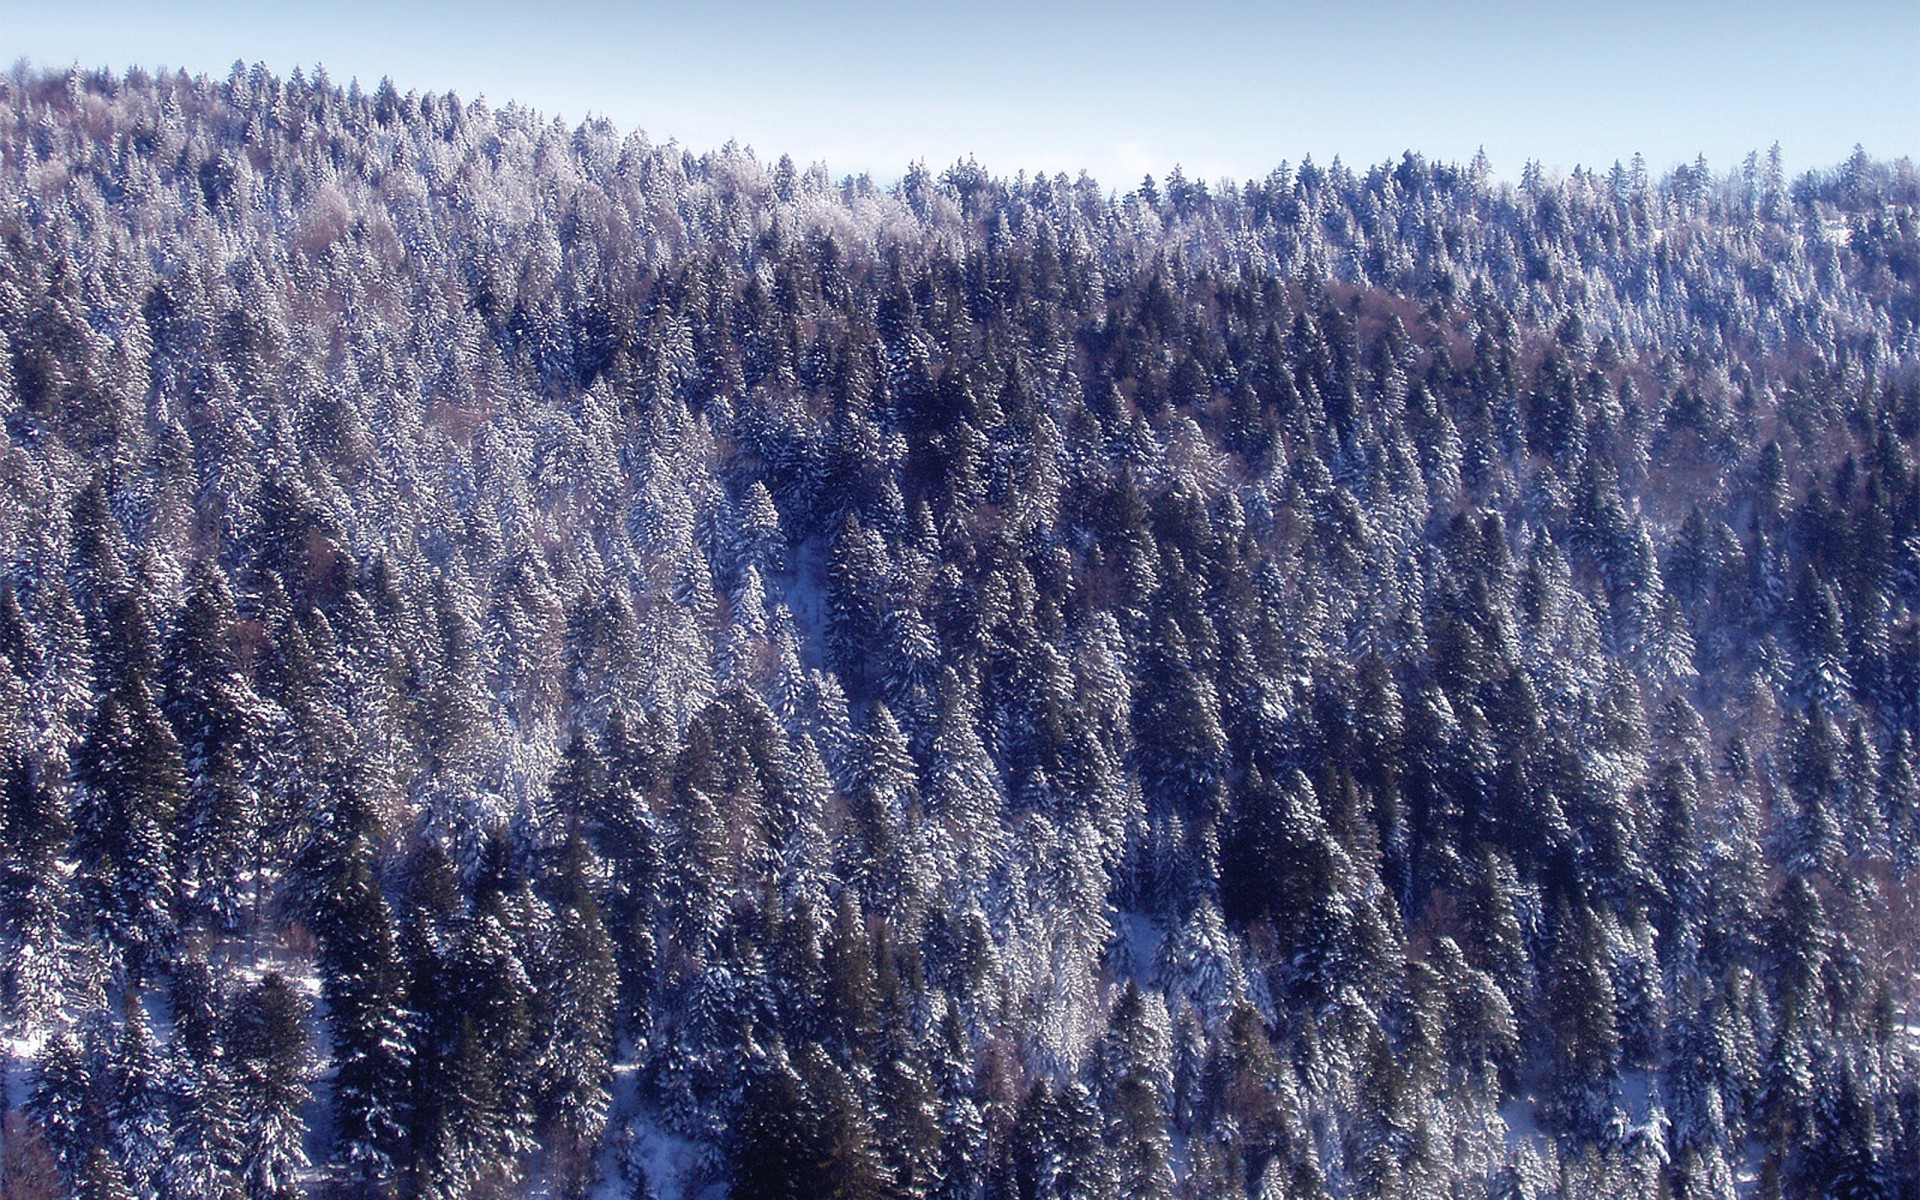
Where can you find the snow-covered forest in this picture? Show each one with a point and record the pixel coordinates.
(534, 662)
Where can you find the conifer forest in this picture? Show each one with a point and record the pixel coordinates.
(535, 662)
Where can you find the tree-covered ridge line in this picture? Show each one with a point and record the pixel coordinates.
(536, 661)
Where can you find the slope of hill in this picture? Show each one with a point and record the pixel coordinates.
(535, 661)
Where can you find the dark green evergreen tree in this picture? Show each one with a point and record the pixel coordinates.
(272, 1068)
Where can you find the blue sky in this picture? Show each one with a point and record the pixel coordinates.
(1223, 87)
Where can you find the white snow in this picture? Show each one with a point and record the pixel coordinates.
(1522, 1115)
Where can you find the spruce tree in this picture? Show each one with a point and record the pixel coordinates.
(273, 1062)
(133, 786)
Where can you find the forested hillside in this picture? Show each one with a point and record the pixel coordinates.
(538, 662)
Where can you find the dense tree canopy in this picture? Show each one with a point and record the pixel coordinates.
(532, 659)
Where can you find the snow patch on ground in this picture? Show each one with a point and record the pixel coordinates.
(803, 589)
(1522, 1115)
(642, 1148)
(1135, 942)
(1636, 1095)
(17, 1058)
(672, 1164)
